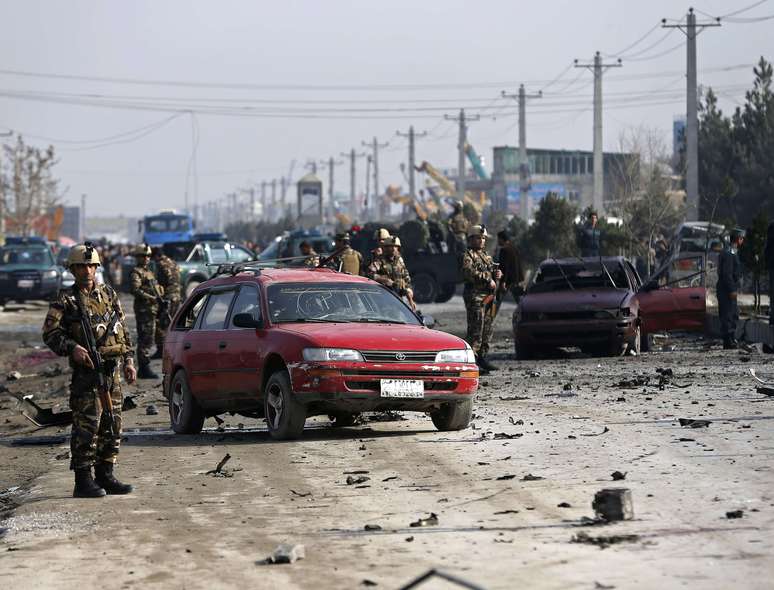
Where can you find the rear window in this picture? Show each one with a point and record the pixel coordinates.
(25, 255)
(565, 277)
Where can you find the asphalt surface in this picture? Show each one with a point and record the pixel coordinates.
(512, 493)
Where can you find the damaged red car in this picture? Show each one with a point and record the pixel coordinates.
(286, 344)
(601, 305)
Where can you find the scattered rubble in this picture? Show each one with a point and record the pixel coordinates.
(613, 504)
(734, 514)
(284, 553)
(431, 520)
(354, 480)
(372, 527)
(692, 423)
(219, 471)
(13, 376)
(618, 475)
(151, 410)
(603, 541)
(530, 477)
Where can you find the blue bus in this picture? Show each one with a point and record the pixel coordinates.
(166, 226)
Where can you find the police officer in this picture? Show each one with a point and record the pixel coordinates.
(147, 295)
(729, 277)
(390, 270)
(481, 280)
(94, 443)
(168, 278)
(346, 259)
(458, 226)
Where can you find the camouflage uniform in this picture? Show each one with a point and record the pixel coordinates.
(458, 226)
(391, 272)
(477, 274)
(91, 440)
(312, 260)
(146, 291)
(168, 278)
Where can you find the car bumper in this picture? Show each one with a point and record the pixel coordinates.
(554, 334)
(356, 387)
(39, 291)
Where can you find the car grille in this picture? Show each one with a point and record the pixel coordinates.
(376, 386)
(398, 356)
(399, 374)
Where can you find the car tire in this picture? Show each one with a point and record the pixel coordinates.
(425, 288)
(189, 288)
(343, 419)
(285, 416)
(185, 414)
(447, 292)
(453, 415)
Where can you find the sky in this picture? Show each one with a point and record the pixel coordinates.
(149, 100)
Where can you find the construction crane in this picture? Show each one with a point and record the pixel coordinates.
(447, 186)
(475, 161)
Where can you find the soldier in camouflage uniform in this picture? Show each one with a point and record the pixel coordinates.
(390, 270)
(93, 443)
(147, 296)
(346, 260)
(458, 227)
(312, 259)
(480, 282)
(168, 278)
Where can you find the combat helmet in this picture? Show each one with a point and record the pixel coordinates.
(84, 253)
(141, 250)
(478, 230)
(381, 234)
(391, 241)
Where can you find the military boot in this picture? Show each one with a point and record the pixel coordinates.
(485, 364)
(105, 478)
(85, 486)
(145, 372)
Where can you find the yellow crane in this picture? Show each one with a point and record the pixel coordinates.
(448, 187)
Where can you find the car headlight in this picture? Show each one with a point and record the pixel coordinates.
(332, 354)
(50, 274)
(465, 355)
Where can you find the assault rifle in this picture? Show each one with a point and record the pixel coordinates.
(489, 301)
(96, 358)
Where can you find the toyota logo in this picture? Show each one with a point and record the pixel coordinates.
(399, 356)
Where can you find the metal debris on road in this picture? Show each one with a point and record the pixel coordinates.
(613, 504)
(513, 398)
(563, 505)
(218, 471)
(372, 527)
(151, 410)
(605, 430)
(299, 494)
(434, 573)
(506, 436)
(13, 376)
(284, 553)
(603, 541)
(530, 477)
(431, 520)
(618, 475)
(129, 403)
(692, 423)
(734, 514)
(42, 417)
(353, 480)
(505, 477)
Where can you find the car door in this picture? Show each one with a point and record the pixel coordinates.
(675, 299)
(241, 361)
(190, 346)
(207, 341)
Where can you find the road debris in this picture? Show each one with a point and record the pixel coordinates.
(605, 430)
(151, 410)
(431, 520)
(128, 403)
(618, 475)
(354, 480)
(218, 471)
(506, 436)
(515, 422)
(530, 477)
(434, 573)
(42, 417)
(372, 527)
(284, 553)
(613, 504)
(13, 376)
(505, 477)
(513, 398)
(300, 494)
(603, 541)
(564, 505)
(693, 423)
(734, 514)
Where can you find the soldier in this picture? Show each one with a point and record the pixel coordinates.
(458, 227)
(312, 259)
(147, 296)
(346, 259)
(481, 279)
(390, 270)
(380, 235)
(94, 440)
(729, 277)
(168, 278)
(510, 265)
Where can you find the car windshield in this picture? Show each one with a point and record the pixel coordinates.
(25, 255)
(581, 276)
(218, 254)
(336, 302)
(165, 224)
(270, 252)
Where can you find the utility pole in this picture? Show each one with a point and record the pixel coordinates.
(461, 143)
(691, 30)
(283, 195)
(252, 204)
(264, 211)
(524, 182)
(273, 198)
(311, 165)
(375, 145)
(598, 68)
(411, 157)
(369, 159)
(353, 156)
(331, 164)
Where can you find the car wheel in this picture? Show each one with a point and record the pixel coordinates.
(285, 416)
(185, 415)
(425, 288)
(446, 293)
(453, 415)
(343, 419)
(635, 342)
(189, 288)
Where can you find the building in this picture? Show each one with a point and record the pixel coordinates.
(568, 173)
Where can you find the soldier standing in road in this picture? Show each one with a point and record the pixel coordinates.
(458, 226)
(147, 295)
(168, 278)
(390, 270)
(480, 283)
(510, 265)
(380, 235)
(729, 277)
(346, 259)
(94, 443)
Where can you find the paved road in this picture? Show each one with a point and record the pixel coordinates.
(572, 424)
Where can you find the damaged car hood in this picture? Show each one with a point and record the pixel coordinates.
(590, 299)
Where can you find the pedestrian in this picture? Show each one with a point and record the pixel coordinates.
(458, 227)
(510, 265)
(94, 440)
(147, 296)
(729, 279)
(312, 259)
(481, 278)
(390, 271)
(345, 258)
(590, 237)
(168, 278)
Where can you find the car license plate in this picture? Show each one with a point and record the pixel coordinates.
(25, 284)
(402, 388)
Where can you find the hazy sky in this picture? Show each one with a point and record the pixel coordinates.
(269, 82)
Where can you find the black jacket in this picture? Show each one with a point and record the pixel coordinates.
(590, 240)
(510, 265)
(729, 272)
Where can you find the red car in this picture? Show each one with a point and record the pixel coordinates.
(284, 344)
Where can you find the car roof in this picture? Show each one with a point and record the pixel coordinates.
(288, 275)
(587, 259)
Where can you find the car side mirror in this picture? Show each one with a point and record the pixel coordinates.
(246, 320)
(428, 321)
